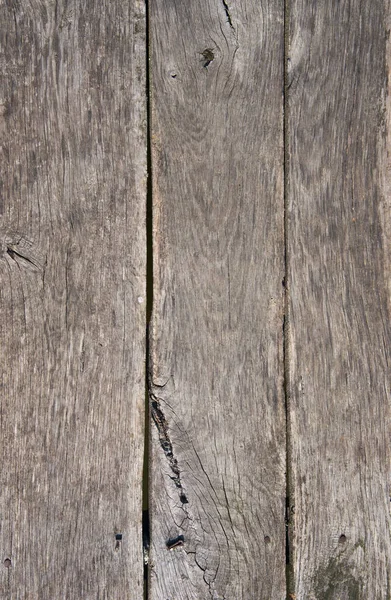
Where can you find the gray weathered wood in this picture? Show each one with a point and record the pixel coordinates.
(72, 298)
(339, 263)
(217, 399)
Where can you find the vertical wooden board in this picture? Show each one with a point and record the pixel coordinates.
(339, 286)
(72, 298)
(217, 398)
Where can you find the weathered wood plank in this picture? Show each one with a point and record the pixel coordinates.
(339, 282)
(72, 320)
(218, 447)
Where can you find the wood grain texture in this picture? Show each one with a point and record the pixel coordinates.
(339, 284)
(217, 399)
(72, 316)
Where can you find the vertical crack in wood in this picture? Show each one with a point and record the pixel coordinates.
(289, 491)
(149, 305)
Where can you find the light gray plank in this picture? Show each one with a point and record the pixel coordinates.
(217, 398)
(72, 299)
(339, 282)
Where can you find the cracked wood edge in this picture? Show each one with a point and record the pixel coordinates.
(216, 365)
(339, 274)
(72, 324)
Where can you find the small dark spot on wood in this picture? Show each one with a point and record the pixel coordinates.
(7, 563)
(208, 56)
(174, 542)
(118, 537)
(183, 499)
(267, 539)
(342, 539)
(173, 75)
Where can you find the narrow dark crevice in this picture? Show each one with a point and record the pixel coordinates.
(228, 15)
(149, 303)
(145, 513)
(289, 490)
(287, 520)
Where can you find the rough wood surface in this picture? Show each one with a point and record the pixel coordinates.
(339, 282)
(72, 309)
(217, 399)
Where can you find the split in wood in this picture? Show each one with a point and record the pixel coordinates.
(226, 9)
(166, 444)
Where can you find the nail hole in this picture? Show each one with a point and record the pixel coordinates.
(7, 563)
(342, 539)
(174, 542)
(267, 539)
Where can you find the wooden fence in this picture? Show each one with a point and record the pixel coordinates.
(195, 200)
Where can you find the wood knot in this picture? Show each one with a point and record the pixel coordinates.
(208, 56)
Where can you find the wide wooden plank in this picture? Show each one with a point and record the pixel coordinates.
(72, 298)
(339, 283)
(217, 397)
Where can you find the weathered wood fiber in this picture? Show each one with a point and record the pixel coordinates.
(217, 399)
(339, 282)
(72, 298)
